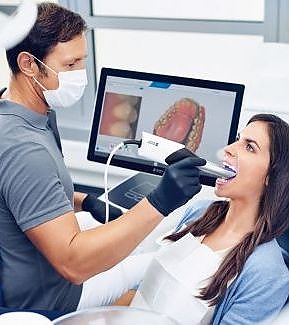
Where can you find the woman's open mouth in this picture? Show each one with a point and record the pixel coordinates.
(230, 168)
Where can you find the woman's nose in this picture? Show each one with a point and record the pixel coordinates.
(230, 149)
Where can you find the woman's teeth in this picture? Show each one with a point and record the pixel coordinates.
(231, 168)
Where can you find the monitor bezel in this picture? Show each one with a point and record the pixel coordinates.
(143, 165)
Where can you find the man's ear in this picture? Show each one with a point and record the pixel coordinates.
(27, 64)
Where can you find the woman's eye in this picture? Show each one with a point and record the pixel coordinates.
(249, 147)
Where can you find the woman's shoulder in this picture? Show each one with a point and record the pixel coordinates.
(267, 261)
(198, 205)
(194, 210)
(259, 292)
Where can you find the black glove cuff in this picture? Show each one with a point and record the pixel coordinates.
(88, 204)
(96, 208)
(153, 200)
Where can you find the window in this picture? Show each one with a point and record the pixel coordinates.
(185, 9)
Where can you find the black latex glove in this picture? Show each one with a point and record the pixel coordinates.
(97, 208)
(180, 182)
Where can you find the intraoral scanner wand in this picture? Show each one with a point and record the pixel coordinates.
(159, 149)
(217, 171)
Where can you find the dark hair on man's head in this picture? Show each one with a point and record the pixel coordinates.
(54, 24)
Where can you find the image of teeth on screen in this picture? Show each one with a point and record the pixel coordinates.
(183, 122)
(120, 115)
(200, 118)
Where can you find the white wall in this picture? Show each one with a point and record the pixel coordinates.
(205, 9)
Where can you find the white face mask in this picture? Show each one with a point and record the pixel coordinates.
(70, 89)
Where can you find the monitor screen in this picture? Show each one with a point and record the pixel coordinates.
(201, 114)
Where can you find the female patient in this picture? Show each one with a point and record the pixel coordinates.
(226, 266)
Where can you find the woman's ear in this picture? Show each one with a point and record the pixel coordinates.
(27, 65)
(267, 180)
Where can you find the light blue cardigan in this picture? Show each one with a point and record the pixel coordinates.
(259, 293)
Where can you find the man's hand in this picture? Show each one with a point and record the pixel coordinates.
(97, 208)
(180, 182)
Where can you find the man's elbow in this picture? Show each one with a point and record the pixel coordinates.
(77, 273)
(71, 269)
(72, 274)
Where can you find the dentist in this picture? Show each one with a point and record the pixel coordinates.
(45, 257)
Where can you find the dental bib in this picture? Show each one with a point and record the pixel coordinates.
(174, 278)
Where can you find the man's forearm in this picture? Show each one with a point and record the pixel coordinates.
(96, 250)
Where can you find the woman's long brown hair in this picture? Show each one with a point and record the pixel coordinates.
(273, 216)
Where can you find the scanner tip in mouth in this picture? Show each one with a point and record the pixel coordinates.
(230, 168)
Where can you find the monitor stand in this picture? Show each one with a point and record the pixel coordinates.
(132, 190)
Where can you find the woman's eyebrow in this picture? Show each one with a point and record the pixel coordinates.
(248, 140)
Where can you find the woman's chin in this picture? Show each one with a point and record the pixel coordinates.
(221, 190)
(221, 194)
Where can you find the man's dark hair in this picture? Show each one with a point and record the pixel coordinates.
(54, 24)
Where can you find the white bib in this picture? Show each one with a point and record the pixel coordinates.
(174, 277)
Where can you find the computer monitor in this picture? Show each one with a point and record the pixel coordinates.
(201, 114)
